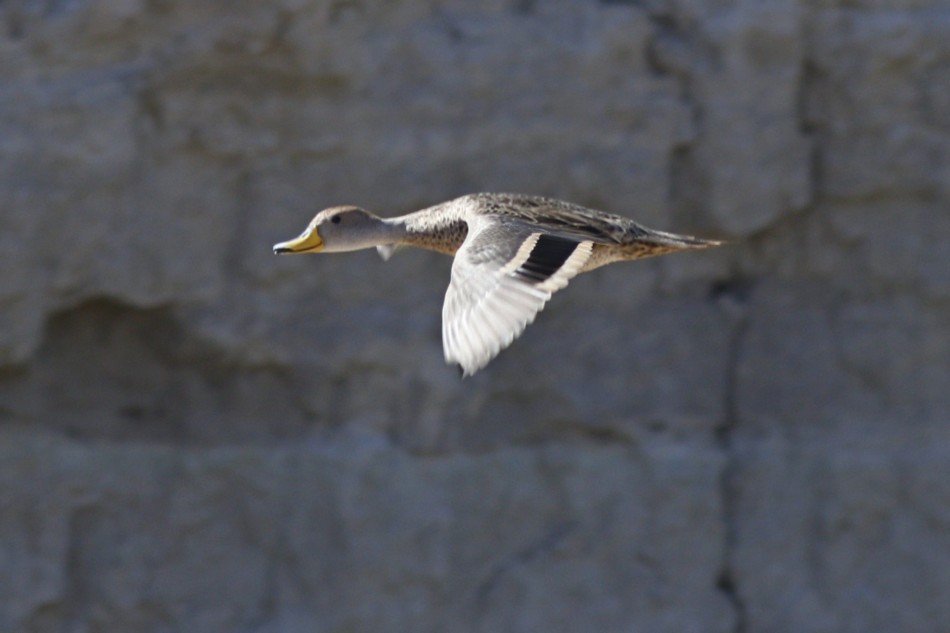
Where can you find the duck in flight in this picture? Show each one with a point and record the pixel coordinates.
(512, 252)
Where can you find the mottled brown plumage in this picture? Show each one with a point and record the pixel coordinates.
(512, 252)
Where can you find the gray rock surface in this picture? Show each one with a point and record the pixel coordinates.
(354, 538)
(196, 435)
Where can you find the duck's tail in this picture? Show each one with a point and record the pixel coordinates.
(675, 242)
(650, 243)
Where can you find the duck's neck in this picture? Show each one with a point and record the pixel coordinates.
(436, 228)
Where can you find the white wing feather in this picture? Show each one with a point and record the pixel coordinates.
(490, 301)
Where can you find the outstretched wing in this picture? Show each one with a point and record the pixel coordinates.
(503, 274)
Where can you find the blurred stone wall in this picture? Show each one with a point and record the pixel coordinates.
(198, 436)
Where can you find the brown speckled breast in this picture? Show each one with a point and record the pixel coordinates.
(443, 238)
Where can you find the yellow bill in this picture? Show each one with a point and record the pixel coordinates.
(307, 242)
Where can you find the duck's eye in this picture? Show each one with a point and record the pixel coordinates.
(335, 219)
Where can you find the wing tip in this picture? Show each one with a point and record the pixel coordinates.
(466, 368)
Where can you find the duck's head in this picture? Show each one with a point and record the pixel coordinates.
(335, 230)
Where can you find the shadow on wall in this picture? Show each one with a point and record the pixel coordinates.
(109, 371)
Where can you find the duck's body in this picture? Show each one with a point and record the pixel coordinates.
(512, 252)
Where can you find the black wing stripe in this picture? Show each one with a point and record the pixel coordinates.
(546, 258)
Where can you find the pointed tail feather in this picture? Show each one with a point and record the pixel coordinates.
(680, 241)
